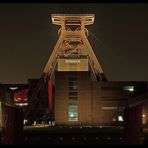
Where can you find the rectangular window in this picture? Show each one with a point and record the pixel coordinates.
(73, 112)
(72, 83)
(120, 119)
(73, 79)
(73, 93)
(73, 88)
(72, 102)
(128, 88)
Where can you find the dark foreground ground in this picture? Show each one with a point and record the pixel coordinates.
(68, 135)
(75, 135)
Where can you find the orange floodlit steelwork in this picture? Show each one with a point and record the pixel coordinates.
(72, 44)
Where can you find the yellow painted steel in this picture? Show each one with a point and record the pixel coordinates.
(68, 36)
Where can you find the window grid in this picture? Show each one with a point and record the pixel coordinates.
(73, 99)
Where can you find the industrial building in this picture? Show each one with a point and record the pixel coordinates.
(78, 100)
(82, 102)
(73, 88)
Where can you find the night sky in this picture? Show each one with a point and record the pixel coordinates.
(120, 39)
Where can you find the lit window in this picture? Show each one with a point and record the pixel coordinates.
(71, 115)
(25, 121)
(129, 88)
(73, 87)
(21, 104)
(73, 99)
(143, 115)
(120, 118)
(13, 88)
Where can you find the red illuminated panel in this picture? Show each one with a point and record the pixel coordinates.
(50, 95)
(21, 95)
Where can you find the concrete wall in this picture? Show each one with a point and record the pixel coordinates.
(99, 103)
(61, 98)
(109, 100)
(84, 98)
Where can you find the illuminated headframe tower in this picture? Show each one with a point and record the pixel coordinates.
(73, 51)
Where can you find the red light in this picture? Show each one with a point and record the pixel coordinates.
(21, 95)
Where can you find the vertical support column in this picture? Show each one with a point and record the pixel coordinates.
(50, 96)
(50, 101)
(133, 125)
